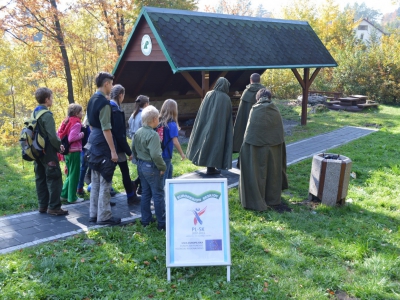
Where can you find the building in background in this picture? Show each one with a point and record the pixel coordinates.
(368, 32)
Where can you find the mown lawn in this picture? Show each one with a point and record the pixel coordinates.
(314, 252)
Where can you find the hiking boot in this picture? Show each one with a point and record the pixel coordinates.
(161, 228)
(133, 200)
(62, 199)
(57, 212)
(43, 210)
(213, 171)
(147, 224)
(110, 221)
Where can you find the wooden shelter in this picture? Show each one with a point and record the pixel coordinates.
(180, 54)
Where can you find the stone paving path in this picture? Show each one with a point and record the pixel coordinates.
(32, 228)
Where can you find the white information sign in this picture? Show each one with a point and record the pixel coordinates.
(197, 223)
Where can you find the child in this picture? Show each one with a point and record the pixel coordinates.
(72, 126)
(121, 146)
(169, 120)
(84, 165)
(135, 122)
(151, 167)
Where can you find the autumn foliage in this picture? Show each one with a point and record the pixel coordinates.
(62, 44)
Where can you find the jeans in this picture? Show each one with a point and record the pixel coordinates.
(84, 166)
(168, 172)
(152, 187)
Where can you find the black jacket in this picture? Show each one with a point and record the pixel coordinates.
(119, 130)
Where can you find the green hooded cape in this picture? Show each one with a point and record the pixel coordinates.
(263, 158)
(247, 100)
(210, 143)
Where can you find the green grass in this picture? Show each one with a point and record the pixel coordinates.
(310, 253)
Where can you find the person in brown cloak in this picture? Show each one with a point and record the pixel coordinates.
(263, 157)
(247, 100)
(210, 143)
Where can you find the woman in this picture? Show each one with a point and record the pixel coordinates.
(121, 145)
(135, 122)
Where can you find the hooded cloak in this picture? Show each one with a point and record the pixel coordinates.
(263, 158)
(247, 100)
(210, 143)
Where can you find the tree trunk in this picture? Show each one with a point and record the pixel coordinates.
(61, 44)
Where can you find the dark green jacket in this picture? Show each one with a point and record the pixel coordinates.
(246, 102)
(210, 143)
(47, 128)
(147, 147)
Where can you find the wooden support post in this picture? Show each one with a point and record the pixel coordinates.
(193, 83)
(304, 103)
(305, 85)
(205, 82)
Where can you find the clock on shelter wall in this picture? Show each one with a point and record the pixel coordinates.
(146, 45)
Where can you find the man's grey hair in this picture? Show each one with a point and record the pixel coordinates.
(148, 114)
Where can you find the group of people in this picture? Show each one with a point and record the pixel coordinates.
(107, 147)
(257, 135)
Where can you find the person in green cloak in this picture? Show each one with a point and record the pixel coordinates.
(263, 157)
(247, 100)
(210, 143)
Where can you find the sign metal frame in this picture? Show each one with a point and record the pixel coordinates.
(189, 242)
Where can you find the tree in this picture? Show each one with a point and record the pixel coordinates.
(240, 8)
(118, 16)
(362, 11)
(25, 19)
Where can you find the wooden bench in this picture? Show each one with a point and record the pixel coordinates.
(331, 102)
(330, 95)
(364, 105)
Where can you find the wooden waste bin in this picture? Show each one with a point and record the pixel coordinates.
(329, 179)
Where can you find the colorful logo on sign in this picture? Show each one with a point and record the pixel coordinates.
(197, 198)
(197, 213)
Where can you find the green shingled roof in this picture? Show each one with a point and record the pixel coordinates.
(196, 41)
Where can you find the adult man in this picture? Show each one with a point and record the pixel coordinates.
(263, 157)
(103, 157)
(246, 102)
(210, 143)
(47, 168)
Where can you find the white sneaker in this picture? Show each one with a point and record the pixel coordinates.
(79, 200)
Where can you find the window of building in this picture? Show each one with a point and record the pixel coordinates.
(362, 27)
(362, 36)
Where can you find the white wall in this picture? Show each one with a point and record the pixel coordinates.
(364, 30)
